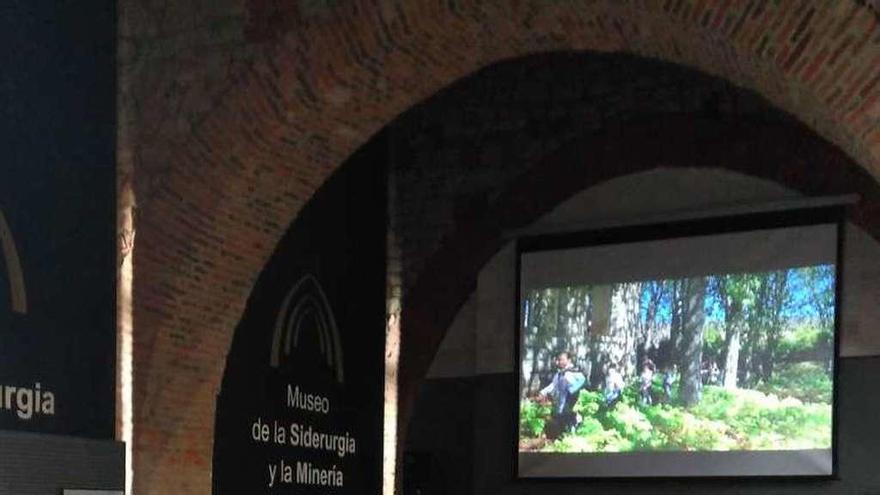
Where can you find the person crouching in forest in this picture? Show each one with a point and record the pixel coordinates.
(646, 380)
(563, 390)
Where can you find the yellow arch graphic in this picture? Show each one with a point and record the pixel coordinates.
(13, 267)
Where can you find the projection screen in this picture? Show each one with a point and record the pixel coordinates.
(695, 349)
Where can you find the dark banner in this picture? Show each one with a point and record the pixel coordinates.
(57, 218)
(300, 408)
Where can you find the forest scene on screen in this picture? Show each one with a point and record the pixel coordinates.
(715, 363)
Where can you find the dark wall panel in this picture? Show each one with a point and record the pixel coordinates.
(36, 464)
(440, 443)
(58, 214)
(300, 407)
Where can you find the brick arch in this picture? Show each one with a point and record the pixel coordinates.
(786, 153)
(211, 211)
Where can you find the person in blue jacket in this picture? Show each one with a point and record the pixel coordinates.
(614, 384)
(563, 390)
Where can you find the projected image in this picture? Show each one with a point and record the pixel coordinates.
(727, 362)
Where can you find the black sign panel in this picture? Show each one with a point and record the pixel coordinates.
(300, 408)
(57, 218)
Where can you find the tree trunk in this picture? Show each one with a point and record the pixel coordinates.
(624, 329)
(531, 386)
(583, 330)
(731, 356)
(677, 304)
(600, 331)
(560, 320)
(780, 298)
(694, 318)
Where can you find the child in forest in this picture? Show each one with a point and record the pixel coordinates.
(646, 379)
(714, 374)
(668, 381)
(613, 385)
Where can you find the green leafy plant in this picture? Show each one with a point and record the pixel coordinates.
(532, 418)
(736, 419)
(806, 381)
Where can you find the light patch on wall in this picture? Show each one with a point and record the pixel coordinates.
(393, 306)
(392, 359)
(125, 369)
(125, 330)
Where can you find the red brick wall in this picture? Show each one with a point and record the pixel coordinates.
(232, 114)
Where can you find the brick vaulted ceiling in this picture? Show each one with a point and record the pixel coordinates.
(233, 113)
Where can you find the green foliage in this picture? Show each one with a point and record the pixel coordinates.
(630, 394)
(591, 434)
(820, 279)
(759, 421)
(723, 420)
(713, 341)
(807, 381)
(532, 418)
(594, 439)
(682, 430)
(805, 340)
(588, 403)
(630, 423)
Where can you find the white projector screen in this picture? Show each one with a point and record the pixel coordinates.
(690, 350)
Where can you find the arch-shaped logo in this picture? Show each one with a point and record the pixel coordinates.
(305, 309)
(18, 294)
